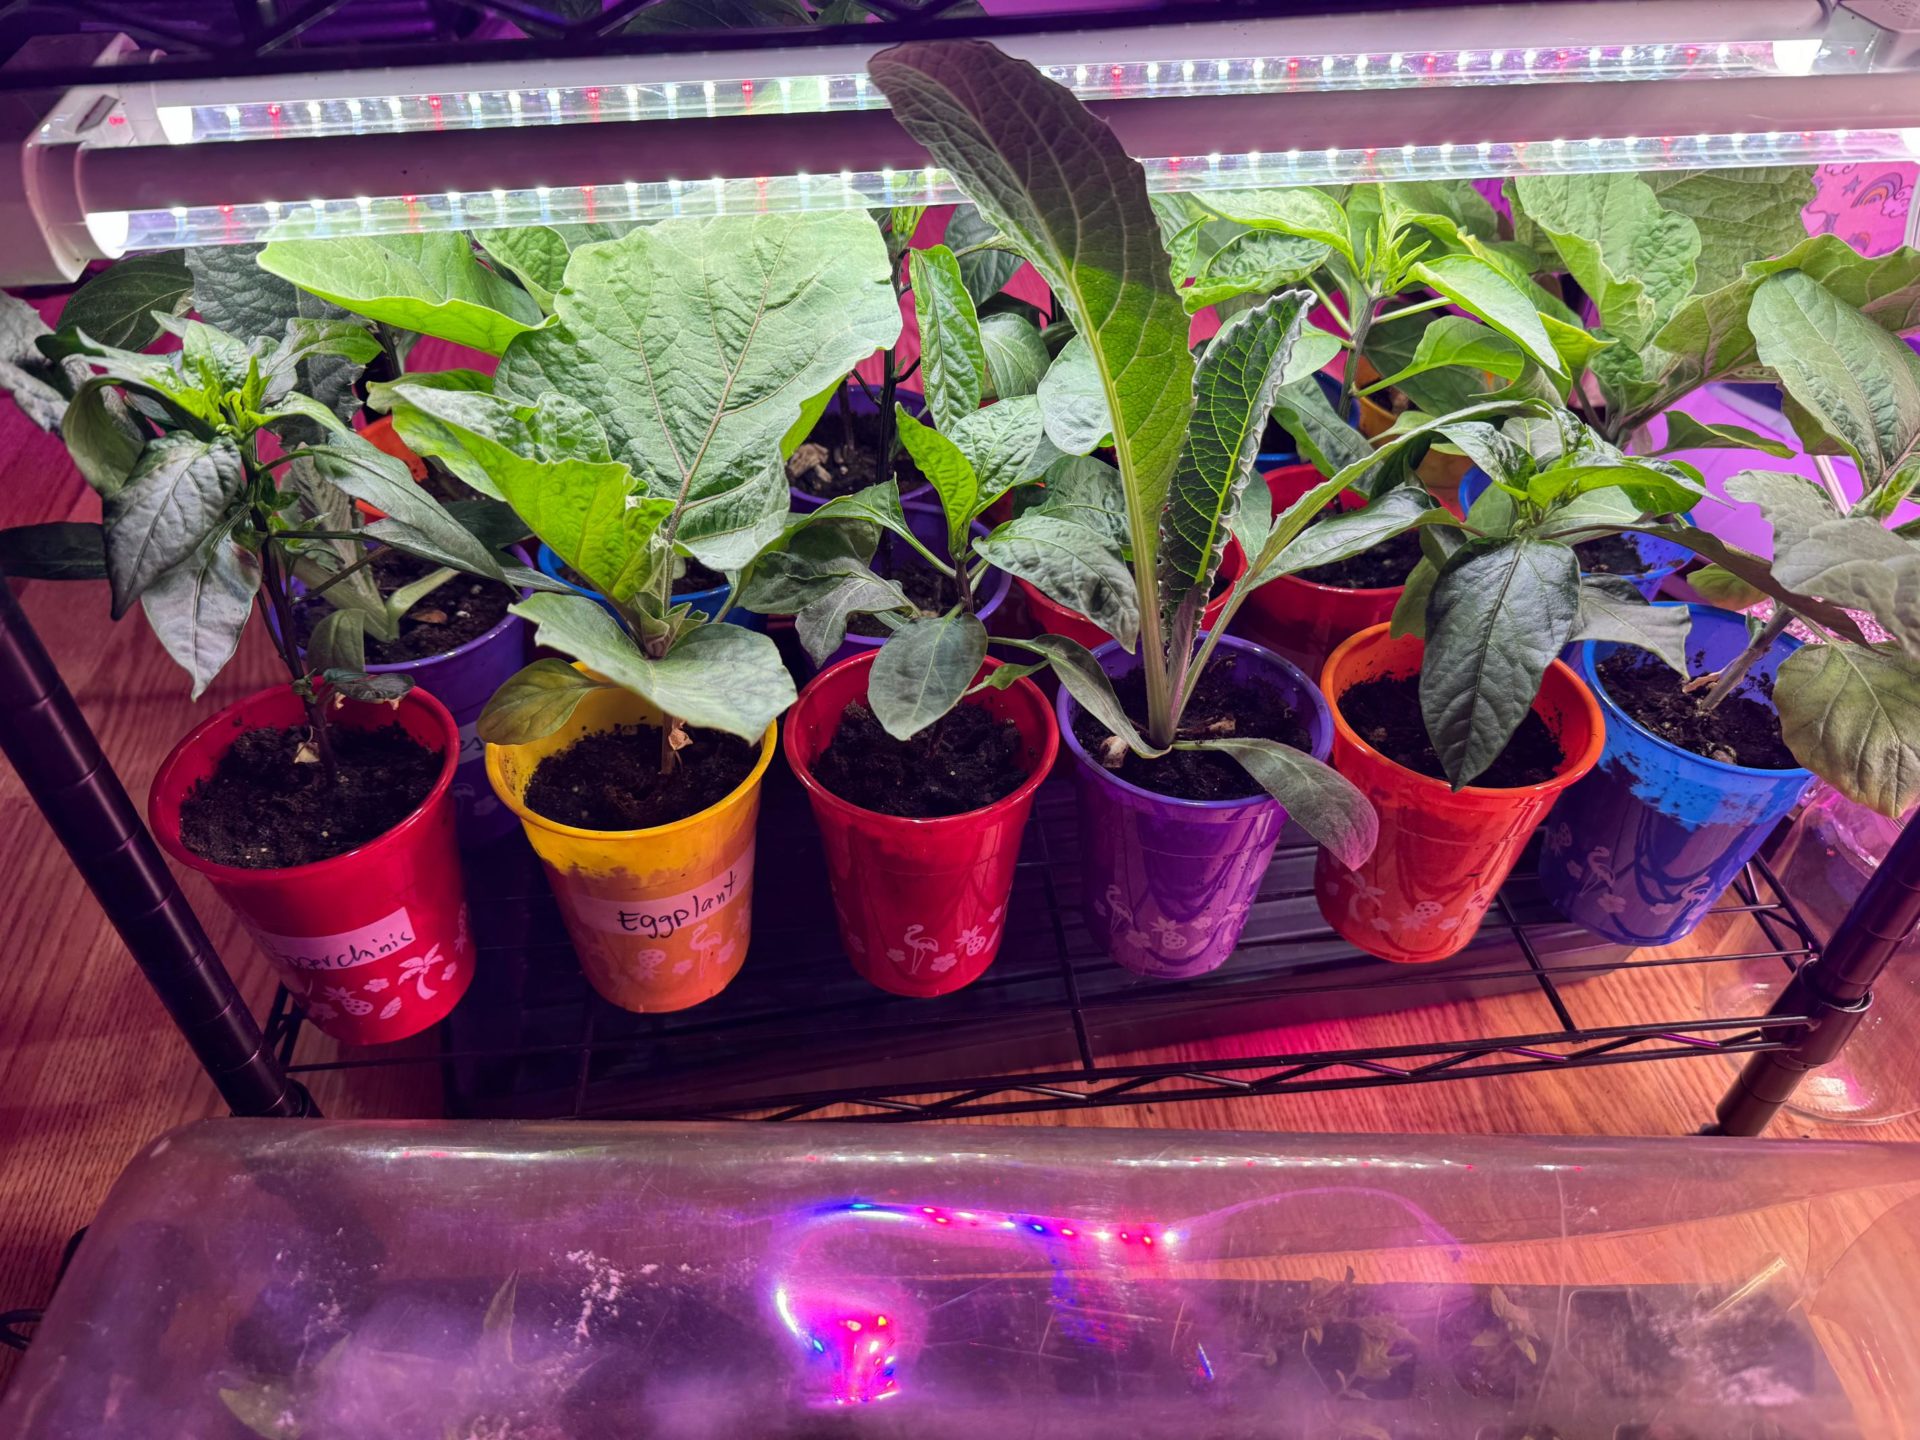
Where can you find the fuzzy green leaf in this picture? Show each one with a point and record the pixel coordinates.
(1072, 565)
(1328, 806)
(1033, 159)
(1742, 215)
(1016, 355)
(923, 670)
(717, 677)
(1634, 258)
(1855, 562)
(1851, 714)
(1500, 612)
(952, 361)
(430, 283)
(534, 702)
(1612, 609)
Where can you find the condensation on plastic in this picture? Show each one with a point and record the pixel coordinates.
(525, 1282)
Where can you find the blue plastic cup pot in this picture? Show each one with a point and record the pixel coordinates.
(1660, 557)
(1641, 848)
(707, 602)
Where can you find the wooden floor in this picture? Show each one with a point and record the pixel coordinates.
(91, 1069)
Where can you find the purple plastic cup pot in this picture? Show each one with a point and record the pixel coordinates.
(1167, 883)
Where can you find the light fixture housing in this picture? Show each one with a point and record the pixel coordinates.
(136, 159)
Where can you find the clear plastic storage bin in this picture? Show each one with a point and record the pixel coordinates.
(308, 1281)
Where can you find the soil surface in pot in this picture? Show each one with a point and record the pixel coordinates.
(1495, 1347)
(1741, 730)
(611, 780)
(263, 808)
(452, 614)
(1626, 1343)
(1385, 712)
(827, 465)
(1226, 705)
(963, 761)
(1384, 567)
(931, 592)
(1611, 555)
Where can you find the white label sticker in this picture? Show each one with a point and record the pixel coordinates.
(386, 936)
(661, 917)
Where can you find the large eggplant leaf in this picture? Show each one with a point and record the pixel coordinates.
(430, 283)
(1851, 714)
(1742, 215)
(1860, 383)
(199, 609)
(923, 670)
(534, 703)
(1855, 562)
(697, 343)
(1499, 613)
(953, 360)
(1072, 565)
(1031, 157)
(181, 490)
(1634, 258)
(1751, 570)
(1234, 388)
(717, 677)
(537, 255)
(1611, 608)
(1328, 806)
(1794, 505)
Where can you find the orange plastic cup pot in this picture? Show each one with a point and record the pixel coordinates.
(1443, 854)
(660, 917)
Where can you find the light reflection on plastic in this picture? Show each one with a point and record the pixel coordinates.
(164, 229)
(835, 1336)
(807, 94)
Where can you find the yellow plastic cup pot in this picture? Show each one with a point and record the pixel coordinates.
(659, 917)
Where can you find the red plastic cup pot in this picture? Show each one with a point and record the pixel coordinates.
(1443, 854)
(375, 942)
(1302, 620)
(922, 904)
(1056, 619)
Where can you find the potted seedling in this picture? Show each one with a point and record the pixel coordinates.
(1355, 1345)
(636, 770)
(320, 809)
(1495, 1347)
(1184, 771)
(1698, 769)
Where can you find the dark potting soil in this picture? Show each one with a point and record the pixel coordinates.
(826, 465)
(931, 592)
(265, 809)
(611, 780)
(1610, 555)
(1386, 714)
(1225, 705)
(964, 760)
(1495, 1355)
(1384, 566)
(697, 577)
(452, 614)
(1741, 730)
(1629, 1347)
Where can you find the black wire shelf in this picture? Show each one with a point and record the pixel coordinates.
(1053, 1025)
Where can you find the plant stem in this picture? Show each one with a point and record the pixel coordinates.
(353, 535)
(1350, 372)
(274, 583)
(845, 402)
(932, 559)
(1406, 310)
(1736, 670)
(1332, 309)
(334, 579)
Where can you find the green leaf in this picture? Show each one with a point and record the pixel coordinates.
(716, 677)
(1222, 261)
(57, 550)
(199, 609)
(1656, 487)
(1072, 565)
(430, 283)
(181, 490)
(1308, 213)
(821, 624)
(1016, 355)
(1053, 178)
(923, 670)
(1452, 209)
(1080, 674)
(1686, 433)
(1456, 340)
(1793, 505)
(534, 702)
(266, 1407)
(1851, 714)
(1234, 387)
(1002, 443)
(1073, 401)
(1326, 440)
(1755, 572)
(416, 522)
(104, 440)
(952, 361)
(338, 642)
(1723, 589)
(1086, 491)
(1612, 609)
(1634, 258)
(1742, 215)
(1854, 562)
(949, 472)
(1481, 289)
(1354, 532)
(536, 255)
(1500, 612)
(1328, 806)
(116, 307)
(698, 343)
(1859, 382)
(986, 265)
(1410, 610)
(381, 689)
